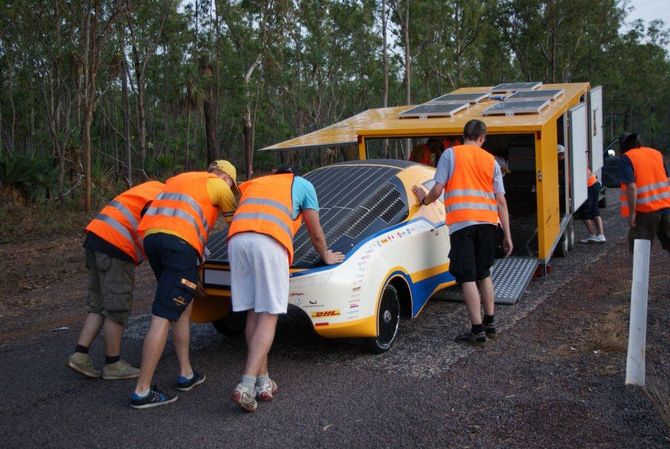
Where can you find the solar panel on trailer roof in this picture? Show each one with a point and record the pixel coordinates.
(453, 97)
(551, 94)
(515, 87)
(517, 107)
(434, 110)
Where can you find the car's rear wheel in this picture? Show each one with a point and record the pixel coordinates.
(570, 233)
(563, 245)
(388, 320)
(232, 325)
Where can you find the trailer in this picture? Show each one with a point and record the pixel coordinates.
(526, 121)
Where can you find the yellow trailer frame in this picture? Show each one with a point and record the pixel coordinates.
(385, 123)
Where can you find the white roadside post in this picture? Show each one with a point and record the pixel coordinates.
(637, 334)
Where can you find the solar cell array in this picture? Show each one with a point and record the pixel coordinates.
(435, 110)
(504, 88)
(517, 107)
(453, 97)
(551, 94)
(355, 201)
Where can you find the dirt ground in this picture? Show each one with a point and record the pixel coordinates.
(567, 356)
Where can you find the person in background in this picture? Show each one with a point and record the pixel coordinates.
(474, 201)
(645, 191)
(591, 212)
(175, 230)
(112, 252)
(428, 153)
(260, 250)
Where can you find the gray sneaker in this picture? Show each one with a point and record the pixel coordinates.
(83, 364)
(244, 398)
(266, 392)
(119, 370)
(601, 238)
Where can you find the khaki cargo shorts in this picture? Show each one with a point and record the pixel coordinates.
(110, 286)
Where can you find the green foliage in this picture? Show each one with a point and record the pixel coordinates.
(32, 176)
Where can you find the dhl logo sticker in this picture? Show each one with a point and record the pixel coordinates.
(326, 313)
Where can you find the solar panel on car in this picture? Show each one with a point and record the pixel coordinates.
(355, 200)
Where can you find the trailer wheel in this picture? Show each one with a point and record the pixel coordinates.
(563, 245)
(388, 319)
(570, 232)
(233, 325)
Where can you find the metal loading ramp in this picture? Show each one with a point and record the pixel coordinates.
(510, 277)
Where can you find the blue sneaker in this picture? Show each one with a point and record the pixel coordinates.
(155, 398)
(185, 384)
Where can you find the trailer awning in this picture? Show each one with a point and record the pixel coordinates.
(385, 122)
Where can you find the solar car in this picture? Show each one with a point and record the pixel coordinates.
(396, 255)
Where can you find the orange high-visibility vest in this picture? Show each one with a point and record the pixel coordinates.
(183, 208)
(651, 182)
(117, 222)
(590, 178)
(266, 207)
(468, 195)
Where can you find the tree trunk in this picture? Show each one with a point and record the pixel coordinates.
(246, 119)
(385, 57)
(209, 110)
(126, 123)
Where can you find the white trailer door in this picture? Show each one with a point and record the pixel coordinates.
(596, 128)
(579, 145)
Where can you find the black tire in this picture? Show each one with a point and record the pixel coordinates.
(388, 320)
(233, 325)
(563, 246)
(570, 232)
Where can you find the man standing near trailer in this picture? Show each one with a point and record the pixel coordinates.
(474, 200)
(260, 250)
(645, 191)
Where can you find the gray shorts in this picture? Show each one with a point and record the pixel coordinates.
(648, 226)
(110, 286)
(259, 273)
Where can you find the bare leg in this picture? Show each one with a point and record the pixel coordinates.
(485, 287)
(154, 343)
(113, 335)
(599, 225)
(590, 227)
(260, 343)
(92, 326)
(472, 302)
(252, 322)
(181, 331)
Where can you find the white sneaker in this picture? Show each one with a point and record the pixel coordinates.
(601, 238)
(266, 391)
(590, 239)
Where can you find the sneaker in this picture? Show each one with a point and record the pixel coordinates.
(83, 364)
(469, 337)
(601, 238)
(266, 392)
(184, 384)
(590, 239)
(490, 330)
(120, 370)
(155, 398)
(242, 397)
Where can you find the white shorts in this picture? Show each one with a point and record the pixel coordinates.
(259, 273)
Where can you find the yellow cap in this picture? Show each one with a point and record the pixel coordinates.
(227, 168)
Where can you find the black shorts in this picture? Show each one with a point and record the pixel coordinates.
(175, 264)
(472, 252)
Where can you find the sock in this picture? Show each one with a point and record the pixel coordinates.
(488, 319)
(112, 359)
(477, 329)
(141, 394)
(82, 349)
(262, 379)
(249, 382)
